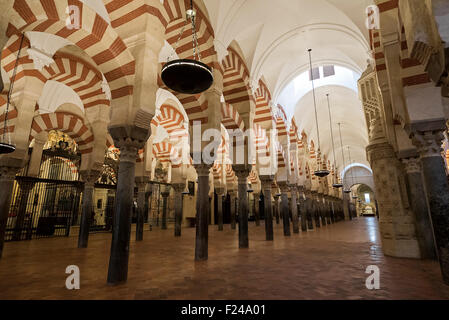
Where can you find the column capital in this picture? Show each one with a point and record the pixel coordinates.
(284, 187)
(428, 143)
(8, 173)
(220, 191)
(203, 169)
(89, 177)
(178, 187)
(412, 165)
(266, 181)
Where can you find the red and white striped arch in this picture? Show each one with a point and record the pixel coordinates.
(280, 155)
(264, 116)
(293, 133)
(95, 36)
(231, 178)
(175, 14)
(68, 123)
(172, 120)
(281, 125)
(165, 152)
(231, 118)
(12, 116)
(262, 141)
(236, 79)
(253, 177)
(79, 75)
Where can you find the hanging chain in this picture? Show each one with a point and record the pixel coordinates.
(177, 43)
(342, 150)
(314, 103)
(196, 50)
(332, 134)
(11, 88)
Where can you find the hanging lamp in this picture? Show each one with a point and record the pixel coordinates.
(352, 173)
(6, 146)
(320, 172)
(343, 156)
(336, 185)
(188, 76)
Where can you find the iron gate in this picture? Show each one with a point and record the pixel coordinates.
(42, 208)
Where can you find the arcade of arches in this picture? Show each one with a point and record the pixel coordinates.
(104, 164)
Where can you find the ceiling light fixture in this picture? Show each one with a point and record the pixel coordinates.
(188, 76)
(336, 185)
(6, 146)
(320, 172)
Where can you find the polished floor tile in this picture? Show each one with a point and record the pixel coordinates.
(328, 263)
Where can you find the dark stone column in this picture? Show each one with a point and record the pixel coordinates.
(220, 193)
(346, 208)
(25, 188)
(322, 209)
(165, 195)
(309, 210)
(276, 208)
(256, 208)
(328, 209)
(294, 208)
(242, 173)
(436, 185)
(141, 183)
(303, 209)
(266, 187)
(285, 208)
(233, 209)
(202, 224)
(316, 210)
(7, 177)
(89, 178)
(178, 188)
(418, 204)
(118, 262)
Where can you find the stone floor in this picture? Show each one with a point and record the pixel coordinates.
(328, 263)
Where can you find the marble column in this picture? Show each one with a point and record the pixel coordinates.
(285, 207)
(25, 188)
(118, 261)
(346, 208)
(242, 173)
(316, 210)
(266, 187)
(303, 209)
(328, 210)
(220, 194)
(202, 224)
(178, 189)
(7, 177)
(34, 165)
(256, 208)
(437, 189)
(165, 195)
(309, 210)
(322, 209)
(233, 209)
(141, 183)
(418, 203)
(294, 208)
(89, 178)
(276, 208)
